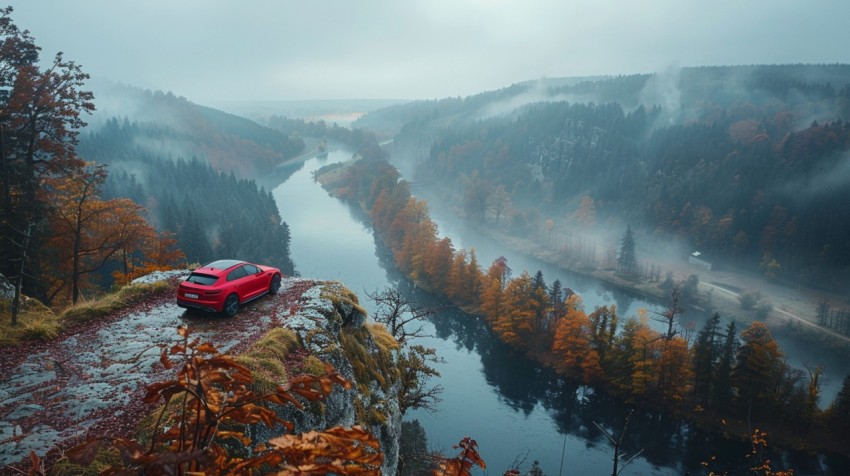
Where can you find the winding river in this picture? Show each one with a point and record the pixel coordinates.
(518, 411)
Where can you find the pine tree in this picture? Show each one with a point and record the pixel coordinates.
(838, 415)
(706, 355)
(722, 391)
(627, 260)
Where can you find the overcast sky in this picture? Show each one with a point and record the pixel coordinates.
(214, 50)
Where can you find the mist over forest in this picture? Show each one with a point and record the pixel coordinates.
(745, 164)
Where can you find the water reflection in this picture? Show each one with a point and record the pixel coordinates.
(521, 386)
(513, 407)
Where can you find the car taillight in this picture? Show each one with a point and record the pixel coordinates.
(211, 293)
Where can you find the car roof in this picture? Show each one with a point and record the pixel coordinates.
(220, 265)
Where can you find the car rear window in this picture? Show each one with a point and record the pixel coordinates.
(203, 279)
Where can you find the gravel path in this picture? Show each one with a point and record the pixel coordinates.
(90, 381)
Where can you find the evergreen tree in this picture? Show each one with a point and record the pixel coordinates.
(41, 113)
(193, 240)
(627, 260)
(706, 354)
(413, 455)
(722, 391)
(838, 415)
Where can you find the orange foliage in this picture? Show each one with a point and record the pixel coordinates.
(675, 369)
(86, 231)
(573, 343)
(462, 464)
(646, 347)
(216, 401)
(151, 253)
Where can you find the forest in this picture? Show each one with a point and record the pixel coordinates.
(716, 373)
(745, 164)
(209, 212)
(84, 211)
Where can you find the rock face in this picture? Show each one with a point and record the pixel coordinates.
(332, 326)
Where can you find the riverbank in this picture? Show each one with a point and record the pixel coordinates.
(357, 183)
(793, 310)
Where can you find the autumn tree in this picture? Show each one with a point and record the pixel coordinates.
(646, 350)
(40, 116)
(498, 202)
(87, 231)
(515, 320)
(573, 343)
(759, 366)
(492, 287)
(438, 258)
(457, 282)
(414, 362)
(477, 197)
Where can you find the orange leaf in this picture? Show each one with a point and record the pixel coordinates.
(163, 359)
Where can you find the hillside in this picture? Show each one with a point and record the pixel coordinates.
(746, 164)
(194, 170)
(170, 126)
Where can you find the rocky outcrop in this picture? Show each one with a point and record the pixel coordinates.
(90, 380)
(331, 325)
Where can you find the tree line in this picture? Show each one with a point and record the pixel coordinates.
(717, 373)
(747, 170)
(210, 213)
(57, 227)
(74, 214)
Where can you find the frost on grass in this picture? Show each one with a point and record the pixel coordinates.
(158, 276)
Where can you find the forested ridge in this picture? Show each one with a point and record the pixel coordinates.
(84, 207)
(210, 212)
(174, 126)
(747, 164)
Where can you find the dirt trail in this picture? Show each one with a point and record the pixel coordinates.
(90, 381)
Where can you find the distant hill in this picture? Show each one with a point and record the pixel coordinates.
(192, 167)
(748, 163)
(332, 111)
(173, 126)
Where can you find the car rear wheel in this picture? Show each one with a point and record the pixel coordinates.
(231, 305)
(274, 286)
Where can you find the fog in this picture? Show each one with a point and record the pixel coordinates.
(211, 50)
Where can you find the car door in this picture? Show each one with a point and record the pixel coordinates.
(239, 282)
(255, 281)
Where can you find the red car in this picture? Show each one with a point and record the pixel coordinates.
(224, 285)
